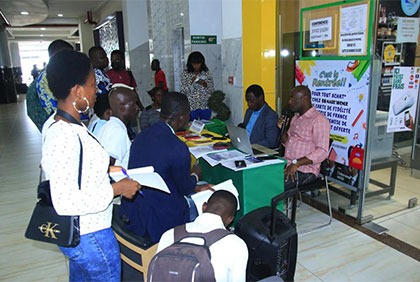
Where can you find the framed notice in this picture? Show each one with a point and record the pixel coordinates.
(337, 29)
(353, 30)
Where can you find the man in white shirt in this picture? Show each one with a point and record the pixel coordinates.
(114, 135)
(229, 255)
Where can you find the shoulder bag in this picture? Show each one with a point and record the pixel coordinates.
(45, 224)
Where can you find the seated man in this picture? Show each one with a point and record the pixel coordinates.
(260, 120)
(155, 212)
(229, 255)
(307, 140)
(116, 134)
(102, 114)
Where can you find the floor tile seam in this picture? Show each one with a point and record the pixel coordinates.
(301, 265)
(388, 240)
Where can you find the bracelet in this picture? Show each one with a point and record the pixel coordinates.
(195, 175)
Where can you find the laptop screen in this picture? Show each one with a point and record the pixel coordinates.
(240, 139)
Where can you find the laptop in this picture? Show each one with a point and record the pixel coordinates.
(240, 140)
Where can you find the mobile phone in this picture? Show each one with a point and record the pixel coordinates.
(407, 118)
(240, 164)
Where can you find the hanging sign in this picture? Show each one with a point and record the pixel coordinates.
(203, 39)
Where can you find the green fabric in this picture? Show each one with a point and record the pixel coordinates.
(256, 186)
(216, 126)
(34, 108)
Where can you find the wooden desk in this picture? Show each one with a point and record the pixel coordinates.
(256, 186)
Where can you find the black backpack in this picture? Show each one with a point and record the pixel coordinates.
(184, 261)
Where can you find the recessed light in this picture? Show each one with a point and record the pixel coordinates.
(59, 15)
(24, 13)
(41, 35)
(43, 28)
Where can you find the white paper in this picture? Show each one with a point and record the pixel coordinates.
(353, 30)
(408, 30)
(201, 197)
(230, 164)
(216, 158)
(200, 151)
(320, 29)
(145, 176)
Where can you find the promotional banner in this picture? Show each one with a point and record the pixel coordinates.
(340, 91)
(404, 94)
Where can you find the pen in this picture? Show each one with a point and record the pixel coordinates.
(128, 176)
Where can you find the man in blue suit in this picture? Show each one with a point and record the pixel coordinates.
(260, 120)
(151, 214)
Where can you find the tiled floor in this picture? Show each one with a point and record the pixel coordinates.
(334, 253)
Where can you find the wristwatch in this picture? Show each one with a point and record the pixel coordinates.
(294, 161)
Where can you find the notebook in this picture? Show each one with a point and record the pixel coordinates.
(240, 140)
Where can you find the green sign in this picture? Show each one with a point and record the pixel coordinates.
(203, 39)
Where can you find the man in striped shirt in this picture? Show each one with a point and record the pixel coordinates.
(306, 141)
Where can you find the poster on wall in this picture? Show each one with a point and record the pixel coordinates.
(340, 91)
(404, 94)
(320, 29)
(353, 30)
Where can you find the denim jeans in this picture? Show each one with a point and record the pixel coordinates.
(96, 258)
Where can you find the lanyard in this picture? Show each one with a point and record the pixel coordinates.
(67, 116)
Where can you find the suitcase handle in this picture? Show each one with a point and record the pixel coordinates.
(274, 201)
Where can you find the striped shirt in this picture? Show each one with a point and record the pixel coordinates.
(308, 136)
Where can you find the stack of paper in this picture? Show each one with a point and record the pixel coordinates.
(146, 176)
(201, 197)
(217, 158)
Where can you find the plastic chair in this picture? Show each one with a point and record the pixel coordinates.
(135, 251)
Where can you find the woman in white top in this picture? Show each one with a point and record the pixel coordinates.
(96, 258)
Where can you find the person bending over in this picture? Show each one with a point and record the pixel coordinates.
(155, 212)
(229, 255)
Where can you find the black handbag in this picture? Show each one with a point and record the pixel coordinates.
(46, 225)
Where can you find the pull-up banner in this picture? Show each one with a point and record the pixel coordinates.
(340, 91)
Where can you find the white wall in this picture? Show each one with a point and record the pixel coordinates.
(206, 18)
(135, 22)
(232, 19)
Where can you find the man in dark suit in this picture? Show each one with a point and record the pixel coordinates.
(260, 120)
(154, 212)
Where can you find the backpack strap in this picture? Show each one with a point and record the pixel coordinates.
(180, 232)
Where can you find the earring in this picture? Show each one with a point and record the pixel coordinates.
(86, 108)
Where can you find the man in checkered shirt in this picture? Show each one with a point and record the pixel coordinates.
(306, 141)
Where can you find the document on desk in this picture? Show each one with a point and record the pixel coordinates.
(249, 164)
(146, 176)
(201, 197)
(200, 151)
(216, 158)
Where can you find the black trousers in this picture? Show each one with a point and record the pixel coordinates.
(301, 178)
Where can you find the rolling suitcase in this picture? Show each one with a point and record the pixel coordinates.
(272, 247)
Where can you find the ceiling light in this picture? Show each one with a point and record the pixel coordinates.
(43, 28)
(59, 15)
(41, 35)
(24, 13)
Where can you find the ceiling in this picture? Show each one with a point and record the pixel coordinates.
(43, 21)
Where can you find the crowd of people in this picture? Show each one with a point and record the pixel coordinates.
(74, 83)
